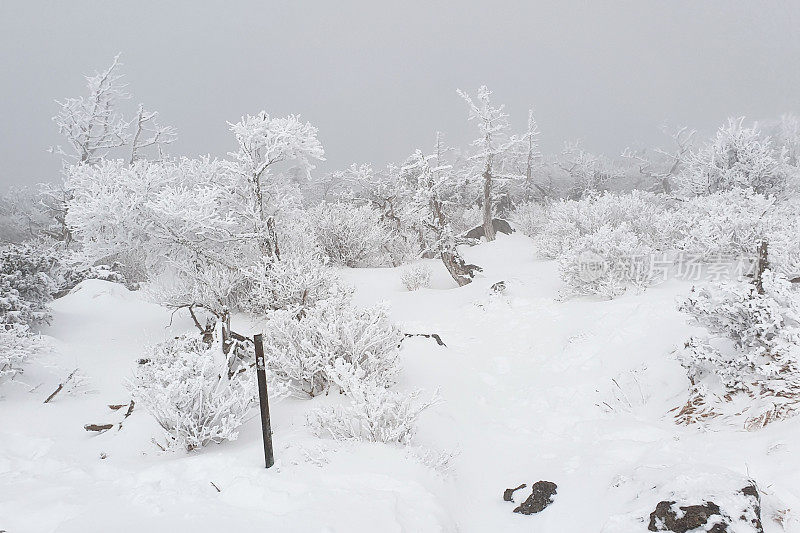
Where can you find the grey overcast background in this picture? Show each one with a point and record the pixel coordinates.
(379, 78)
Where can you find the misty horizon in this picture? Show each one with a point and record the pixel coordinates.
(378, 82)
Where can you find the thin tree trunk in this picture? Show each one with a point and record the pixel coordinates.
(761, 266)
(488, 227)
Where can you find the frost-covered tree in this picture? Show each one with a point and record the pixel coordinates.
(197, 227)
(93, 125)
(737, 157)
(523, 158)
(264, 142)
(184, 223)
(431, 214)
(661, 167)
(491, 145)
(589, 173)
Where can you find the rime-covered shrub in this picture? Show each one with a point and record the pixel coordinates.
(645, 214)
(301, 347)
(17, 345)
(25, 284)
(349, 235)
(403, 247)
(752, 349)
(416, 276)
(374, 414)
(194, 391)
(529, 218)
(294, 282)
(782, 235)
(606, 263)
(728, 223)
(737, 157)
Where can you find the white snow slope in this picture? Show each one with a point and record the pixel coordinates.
(576, 392)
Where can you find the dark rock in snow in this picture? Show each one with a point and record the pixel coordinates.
(508, 494)
(500, 226)
(665, 518)
(498, 287)
(541, 497)
(690, 517)
(752, 514)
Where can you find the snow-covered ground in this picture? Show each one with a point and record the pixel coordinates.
(577, 392)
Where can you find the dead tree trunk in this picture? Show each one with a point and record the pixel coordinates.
(461, 272)
(488, 227)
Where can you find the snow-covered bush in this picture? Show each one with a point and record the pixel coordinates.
(25, 285)
(194, 391)
(17, 345)
(403, 247)
(28, 269)
(375, 414)
(416, 276)
(752, 349)
(645, 214)
(737, 157)
(529, 218)
(606, 262)
(784, 245)
(351, 235)
(296, 281)
(302, 347)
(728, 223)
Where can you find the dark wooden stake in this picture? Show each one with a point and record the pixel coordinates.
(266, 428)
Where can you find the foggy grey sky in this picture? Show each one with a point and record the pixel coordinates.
(379, 78)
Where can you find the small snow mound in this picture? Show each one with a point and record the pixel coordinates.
(95, 288)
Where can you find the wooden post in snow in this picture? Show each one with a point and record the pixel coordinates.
(266, 428)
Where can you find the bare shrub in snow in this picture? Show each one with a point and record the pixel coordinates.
(375, 414)
(750, 361)
(302, 347)
(606, 263)
(416, 276)
(195, 392)
(352, 236)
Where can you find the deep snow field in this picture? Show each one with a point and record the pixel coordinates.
(577, 392)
